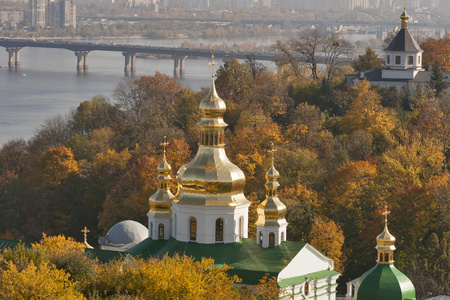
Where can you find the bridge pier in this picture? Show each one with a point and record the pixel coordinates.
(130, 59)
(14, 56)
(178, 65)
(82, 60)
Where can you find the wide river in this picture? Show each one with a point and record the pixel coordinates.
(47, 82)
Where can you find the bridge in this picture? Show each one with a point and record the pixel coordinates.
(83, 49)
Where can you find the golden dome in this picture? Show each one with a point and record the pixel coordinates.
(385, 243)
(161, 201)
(404, 17)
(272, 212)
(210, 179)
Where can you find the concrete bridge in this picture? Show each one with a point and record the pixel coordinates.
(83, 50)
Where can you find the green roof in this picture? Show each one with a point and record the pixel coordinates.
(384, 282)
(11, 244)
(300, 279)
(249, 260)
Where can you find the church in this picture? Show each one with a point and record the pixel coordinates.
(403, 64)
(208, 217)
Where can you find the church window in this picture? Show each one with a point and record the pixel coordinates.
(398, 59)
(282, 236)
(193, 229)
(271, 239)
(306, 289)
(203, 138)
(260, 237)
(386, 257)
(216, 139)
(161, 231)
(381, 256)
(241, 228)
(391, 256)
(206, 139)
(211, 138)
(388, 59)
(219, 230)
(151, 229)
(410, 60)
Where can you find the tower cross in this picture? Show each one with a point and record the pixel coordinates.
(272, 152)
(212, 63)
(385, 213)
(85, 231)
(164, 144)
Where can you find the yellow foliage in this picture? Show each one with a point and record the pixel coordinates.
(328, 238)
(56, 164)
(111, 158)
(36, 283)
(59, 245)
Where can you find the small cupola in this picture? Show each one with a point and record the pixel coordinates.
(159, 215)
(271, 224)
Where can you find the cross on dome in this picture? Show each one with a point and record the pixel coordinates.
(164, 144)
(212, 64)
(272, 152)
(385, 213)
(85, 231)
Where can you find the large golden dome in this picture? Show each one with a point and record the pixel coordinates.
(210, 179)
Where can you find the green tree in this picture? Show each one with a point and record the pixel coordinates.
(368, 61)
(436, 82)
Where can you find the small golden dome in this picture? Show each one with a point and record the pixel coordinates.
(161, 201)
(271, 212)
(404, 17)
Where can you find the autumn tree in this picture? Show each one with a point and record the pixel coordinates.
(328, 238)
(436, 51)
(366, 113)
(147, 103)
(310, 48)
(55, 165)
(368, 61)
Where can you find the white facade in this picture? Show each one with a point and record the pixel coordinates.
(268, 236)
(210, 224)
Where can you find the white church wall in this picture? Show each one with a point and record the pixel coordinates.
(308, 260)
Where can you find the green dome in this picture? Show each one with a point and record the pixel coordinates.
(384, 282)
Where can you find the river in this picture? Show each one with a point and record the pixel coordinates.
(47, 82)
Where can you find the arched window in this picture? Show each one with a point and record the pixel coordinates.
(386, 257)
(241, 228)
(219, 230)
(216, 139)
(161, 231)
(151, 229)
(306, 289)
(260, 237)
(381, 256)
(271, 239)
(211, 139)
(282, 236)
(206, 139)
(193, 229)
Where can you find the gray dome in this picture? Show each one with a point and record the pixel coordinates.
(126, 232)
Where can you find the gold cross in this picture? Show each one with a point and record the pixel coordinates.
(272, 151)
(164, 144)
(385, 213)
(212, 63)
(85, 231)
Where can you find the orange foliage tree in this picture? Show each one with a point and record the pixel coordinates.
(437, 50)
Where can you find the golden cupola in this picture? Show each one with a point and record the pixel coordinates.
(271, 212)
(210, 179)
(161, 201)
(404, 17)
(385, 243)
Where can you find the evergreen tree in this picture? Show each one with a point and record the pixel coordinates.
(437, 79)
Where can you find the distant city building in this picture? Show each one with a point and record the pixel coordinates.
(43, 13)
(37, 12)
(11, 17)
